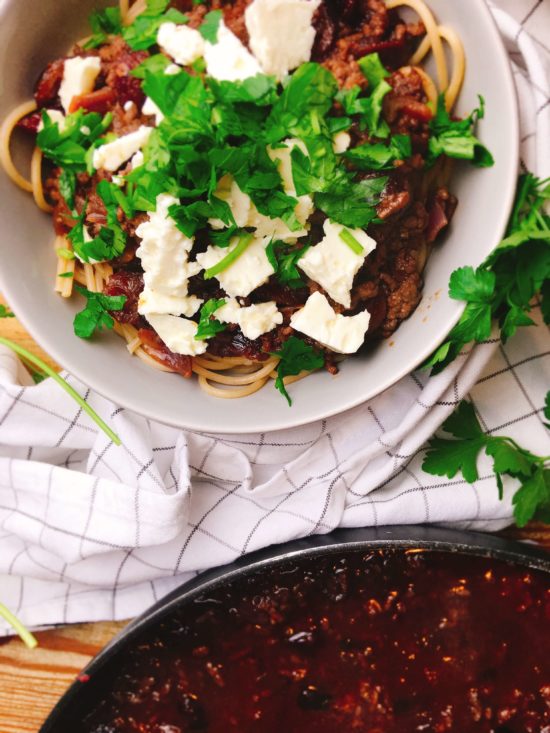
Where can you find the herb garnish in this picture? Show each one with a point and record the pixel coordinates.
(244, 241)
(104, 23)
(5, 312)
(455, 139)
(295, 357)
(504, 286)
(378, 156)
(68, 148)
(142, 33)
(283, 259)
(347, 238)
(448, 457)
(210, 25)
(95, 315)
(209, 326)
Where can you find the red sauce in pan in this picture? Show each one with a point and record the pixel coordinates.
(384, 642)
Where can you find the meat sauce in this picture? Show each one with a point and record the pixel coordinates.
(383, 642)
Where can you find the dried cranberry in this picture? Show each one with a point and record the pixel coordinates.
(129, 284)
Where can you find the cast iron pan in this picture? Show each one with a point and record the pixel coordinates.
(82, 694)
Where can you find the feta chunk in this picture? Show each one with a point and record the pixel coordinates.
(164, 252)
(182, 43)
(333, 264)
(342, 334)
(341, 142)
(150, 108)
(178, 334)
(172, 69)
(228, 59)
(239, 202)
(112, 155)
(153, 301)
(281, 33)
(247, 273)
(79, 75)
(253, 320)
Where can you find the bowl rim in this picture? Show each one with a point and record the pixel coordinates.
(400, 537)
(200, 420)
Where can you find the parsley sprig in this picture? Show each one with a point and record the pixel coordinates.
(95, 315)
(295, 356)
(208, 325)
(446, 457)
(503, 287)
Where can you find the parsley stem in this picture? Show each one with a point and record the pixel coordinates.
(347, 237)
(229, 259)
(24, 634)
(37, 361)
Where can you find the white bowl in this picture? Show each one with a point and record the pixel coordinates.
(31, 34)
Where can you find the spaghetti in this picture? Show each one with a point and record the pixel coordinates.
(227, 377)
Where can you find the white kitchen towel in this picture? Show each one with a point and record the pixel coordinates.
(92, 531)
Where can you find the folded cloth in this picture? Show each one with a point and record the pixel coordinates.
(92, 531)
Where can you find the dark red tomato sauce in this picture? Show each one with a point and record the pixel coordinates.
(384, 642)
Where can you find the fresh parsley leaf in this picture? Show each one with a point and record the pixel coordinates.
(104, 23)
(503, 288)
(208, 325)
(190, 217)
(142, 33)
(455, 138)
(223, 237)
(5, 312)
(352, 204)
(95, 315)
(260, 90)
(284, 259)
(547, 409)
(373, 69)
(243, 242)
(446, 457)
(155, 64)
(210, 26)
(295, 357)
(378, 156)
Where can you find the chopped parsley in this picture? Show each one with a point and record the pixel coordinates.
(447, 457)
(379, 156)
(347, 237)
(68, 148)
(284, 259)
(142, 33)
(455, 138)
(210, 26)
(5, 312)
(104, 23)
(295, 357)
(244, 241)
(208, 325)
(95, 314)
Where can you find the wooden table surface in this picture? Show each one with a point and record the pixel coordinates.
(31, 681)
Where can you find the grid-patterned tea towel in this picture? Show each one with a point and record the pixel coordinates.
(90, 531)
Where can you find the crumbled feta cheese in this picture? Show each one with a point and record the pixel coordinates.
(79, 75)
(333, 264)
(239, 202)
(317, 319)
(150, 108)
(85, 130)
(247, 273)
(341, 142)
(87, 238)
(55, 116)
(153, 301)
(128, 106)
(112, 155)
(164, 252)
(119, 180)
(182, 43)
(281, 33)
(178, 334)
(254, 320)
(172, 69)
(228, 59)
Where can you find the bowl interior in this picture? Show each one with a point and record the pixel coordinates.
(32, 34)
